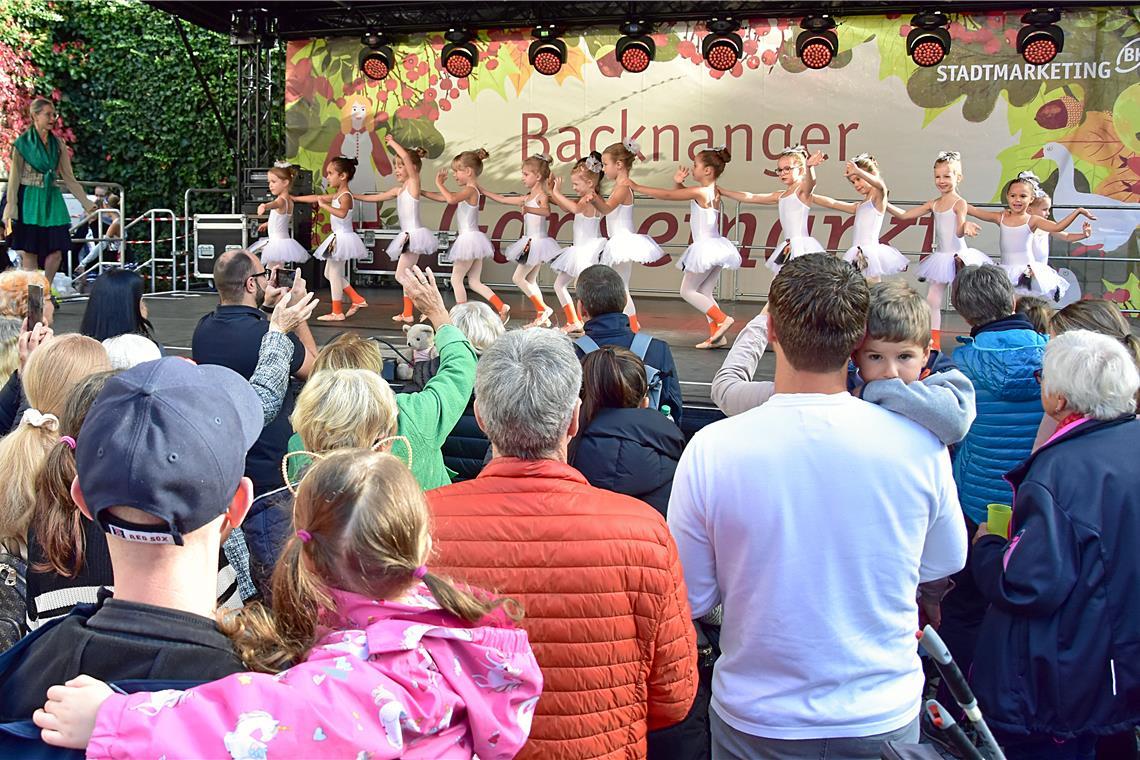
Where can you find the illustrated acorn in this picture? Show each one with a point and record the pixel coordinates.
(1063, 113)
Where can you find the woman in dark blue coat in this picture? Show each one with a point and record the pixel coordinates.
(622, 445)
(1057, 667)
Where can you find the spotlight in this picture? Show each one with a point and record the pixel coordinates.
(1041, 39)
(635, 49)
(928, 42)
(547, 52)
(376, 57)
(459, 54)
(722, 46)
(817, 43)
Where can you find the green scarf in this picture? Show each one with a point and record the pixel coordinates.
(42, 206)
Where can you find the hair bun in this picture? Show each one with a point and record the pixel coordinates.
(351, 161)
(482, 154)
(723, 153)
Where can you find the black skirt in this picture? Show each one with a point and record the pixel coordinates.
(32, 238)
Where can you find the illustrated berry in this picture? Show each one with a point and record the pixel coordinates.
(1062, 113)
(445, 105)
(492, 64)
(769, 57)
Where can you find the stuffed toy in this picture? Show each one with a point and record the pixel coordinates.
(425, 358)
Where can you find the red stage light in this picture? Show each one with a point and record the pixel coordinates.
(816, 55)
(635, 49)
(722, 51)
(1041, 40)
(459, 59)
(547, 53)
(928, 42)
(817, 45)
(376, 64)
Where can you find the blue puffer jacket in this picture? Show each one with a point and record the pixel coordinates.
(1000, 360)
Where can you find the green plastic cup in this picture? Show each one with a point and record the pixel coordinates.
(997, 521)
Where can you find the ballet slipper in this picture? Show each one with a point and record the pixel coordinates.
(402, 318)
(505, 313)
(573, 328)
(705, 345)
(332, 317)
(355, 308)
(543, 319)
(721, 329)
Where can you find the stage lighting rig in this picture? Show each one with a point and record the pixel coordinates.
(928, 42)
(1041, 39)
(459, 54)
(722, 46)
(547, 53)
(377, 57)
(817, 44)
(635, 48)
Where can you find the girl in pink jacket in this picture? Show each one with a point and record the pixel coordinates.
(392, 660)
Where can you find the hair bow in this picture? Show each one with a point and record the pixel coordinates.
(542, 157)
(282, 165)
(862, 157)
(36, 419)
(794, 149)
(631, 145)
(592, 164)
(949, 155)
(1029, 177)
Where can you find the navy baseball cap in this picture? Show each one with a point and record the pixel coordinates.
(169, 438)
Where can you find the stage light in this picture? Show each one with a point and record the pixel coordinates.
(817, 44)
(722, 46)
(547, 52)
(376, 58)
(635, 49)
(1041, 39)
(459, 54)
(928, 42)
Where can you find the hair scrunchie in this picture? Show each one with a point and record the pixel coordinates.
(36, 419)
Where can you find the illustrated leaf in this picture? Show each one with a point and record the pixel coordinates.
(517, 52)
(494, 80)
(419, 132)
(1122, 183)
(575, 61)
(1095, 140)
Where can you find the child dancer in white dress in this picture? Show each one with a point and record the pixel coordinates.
(536, 245)
(279, 247)
(588, 243)
(872, 258)
(625, 246)
(1016, 225)
(950, 226)
(414, 239)
(471, 245)
(710, 252)
(796, 169)
(343, 243)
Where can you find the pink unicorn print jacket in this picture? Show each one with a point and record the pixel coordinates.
(395, 679)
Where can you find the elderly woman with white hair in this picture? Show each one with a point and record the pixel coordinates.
(1059, 664)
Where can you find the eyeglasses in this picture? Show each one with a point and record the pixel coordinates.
(784, 170)
(1037, 376)
(262, 273)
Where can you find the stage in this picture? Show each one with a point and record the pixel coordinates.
(175, 315)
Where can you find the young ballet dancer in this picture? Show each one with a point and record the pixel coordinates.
(388, 656)
(872, 258)
(1016, 226)
(710, 252)
(471, 245)
(279, 248)
(625, 246)
(588, 243)
(950, 227)
(535, 246)
(343, 243)
(796, 169)
(414, 239)
(1042, 206)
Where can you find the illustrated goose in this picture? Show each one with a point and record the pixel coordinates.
(1114, 224)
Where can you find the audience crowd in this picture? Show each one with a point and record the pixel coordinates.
(270, 551)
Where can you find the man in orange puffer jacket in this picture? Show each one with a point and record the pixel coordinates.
(597, 573)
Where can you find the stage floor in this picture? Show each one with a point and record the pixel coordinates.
(670, 319)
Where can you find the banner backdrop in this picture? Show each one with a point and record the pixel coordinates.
(1074, 122)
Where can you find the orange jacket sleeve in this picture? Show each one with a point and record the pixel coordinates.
(673, 673)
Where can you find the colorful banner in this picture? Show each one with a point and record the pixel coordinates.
(1074, 122)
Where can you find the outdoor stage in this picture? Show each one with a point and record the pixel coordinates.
(670, 319)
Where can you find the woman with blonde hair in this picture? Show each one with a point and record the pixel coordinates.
(51, 373)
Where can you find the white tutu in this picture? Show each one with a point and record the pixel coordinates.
(629, 246)
(881, 259)
(469, 246)
(280, 251)
(542, 249)
(799, 246)
(341, 246)
(575, 259)
(1044, 283)
(709, 253)
(941, 266)
(419, 241)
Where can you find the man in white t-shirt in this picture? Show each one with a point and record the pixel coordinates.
(812, 519)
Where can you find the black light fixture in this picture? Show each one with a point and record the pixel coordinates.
(928, 42)
(722, 46)
(547, 53)
(635, 48)
(817, 44)
(376, 58)
(1040, 40)
(459, 55)
(252, 28)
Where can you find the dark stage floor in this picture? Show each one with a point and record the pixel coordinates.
(670, 319)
